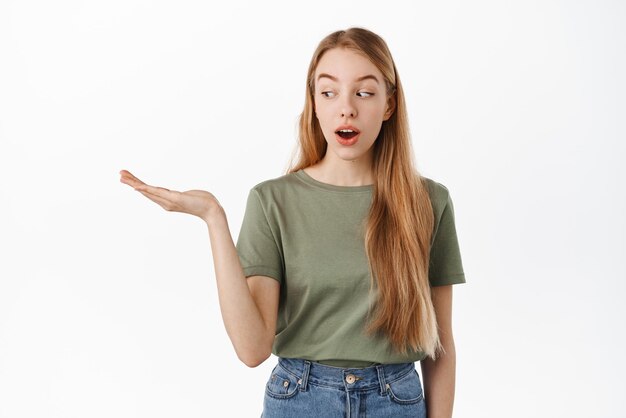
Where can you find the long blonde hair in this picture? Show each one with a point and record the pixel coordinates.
(399, 226)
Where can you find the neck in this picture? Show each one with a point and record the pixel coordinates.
(334, 170)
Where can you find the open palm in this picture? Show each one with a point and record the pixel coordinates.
(195, 202)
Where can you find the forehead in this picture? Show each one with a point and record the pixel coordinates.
(346, 65)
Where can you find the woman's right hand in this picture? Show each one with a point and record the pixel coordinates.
(195, 202)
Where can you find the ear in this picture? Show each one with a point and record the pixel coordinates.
(391, 107)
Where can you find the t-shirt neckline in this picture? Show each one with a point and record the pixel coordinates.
(302, 175)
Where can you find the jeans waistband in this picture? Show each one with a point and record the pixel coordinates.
(349, 379)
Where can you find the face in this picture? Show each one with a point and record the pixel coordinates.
(350, 95)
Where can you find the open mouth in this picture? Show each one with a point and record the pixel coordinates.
(347, 133)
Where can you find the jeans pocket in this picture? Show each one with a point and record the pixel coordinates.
(282, 384)
(407, 389)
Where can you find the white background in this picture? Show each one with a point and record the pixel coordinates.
(108, 303)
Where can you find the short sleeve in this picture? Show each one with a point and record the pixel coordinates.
(446, 266)
(256, 245)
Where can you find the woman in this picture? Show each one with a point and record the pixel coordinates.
(344, 266)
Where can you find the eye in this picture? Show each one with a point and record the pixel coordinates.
(324, 93)
(367, 93)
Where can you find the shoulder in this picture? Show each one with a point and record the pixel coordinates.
(438, 193)
(276, 182)
(277, 187)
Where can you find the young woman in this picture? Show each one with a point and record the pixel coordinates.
(344, 265)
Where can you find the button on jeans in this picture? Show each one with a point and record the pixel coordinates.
(302, 388)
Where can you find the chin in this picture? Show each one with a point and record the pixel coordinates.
(349, 155)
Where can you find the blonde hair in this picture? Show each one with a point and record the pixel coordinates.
(399, 226)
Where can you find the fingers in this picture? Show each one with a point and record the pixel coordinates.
(137, 184)
(161, 192)
(166, 198)
(128, 178)
(164, 203)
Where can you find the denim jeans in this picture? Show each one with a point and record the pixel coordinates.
(302, 388)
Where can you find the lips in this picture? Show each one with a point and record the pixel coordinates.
(347, 131)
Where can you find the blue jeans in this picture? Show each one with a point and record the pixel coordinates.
(302, 388)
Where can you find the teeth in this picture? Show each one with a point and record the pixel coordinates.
(346, 130)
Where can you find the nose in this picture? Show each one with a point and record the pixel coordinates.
(348, 109)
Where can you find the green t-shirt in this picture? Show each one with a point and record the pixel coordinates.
(307, 235)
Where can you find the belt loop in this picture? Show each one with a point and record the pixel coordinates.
(305, 375)
(381, 379)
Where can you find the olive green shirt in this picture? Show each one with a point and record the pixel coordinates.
(308, 236)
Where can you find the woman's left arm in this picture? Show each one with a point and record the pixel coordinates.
(439, 375)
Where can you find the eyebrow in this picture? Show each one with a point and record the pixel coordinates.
(365, 77)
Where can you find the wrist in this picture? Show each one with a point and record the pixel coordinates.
(214, 215)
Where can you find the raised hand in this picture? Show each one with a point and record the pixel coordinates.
(246, 303)
(195, 202)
